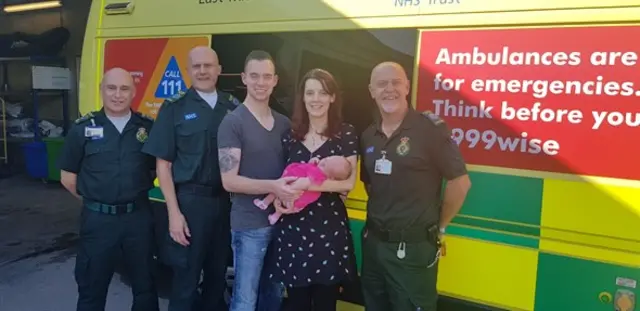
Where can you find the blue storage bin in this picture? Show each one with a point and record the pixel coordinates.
(35, 156)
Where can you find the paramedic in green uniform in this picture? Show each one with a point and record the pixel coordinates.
(406, 157)
(102, 164)
(184, 142)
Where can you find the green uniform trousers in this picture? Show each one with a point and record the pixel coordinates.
(393, 284)
(205, 258)
(104, 239)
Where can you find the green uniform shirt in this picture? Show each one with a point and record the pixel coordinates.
(185, 133)
(422, 153)
(111, 169)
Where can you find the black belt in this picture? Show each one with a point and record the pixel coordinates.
(408, 235)
(114, 209)
(200, 190)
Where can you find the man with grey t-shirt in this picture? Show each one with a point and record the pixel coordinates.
(261, 158)
(251, 163)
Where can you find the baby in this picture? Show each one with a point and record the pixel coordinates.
(333, 167)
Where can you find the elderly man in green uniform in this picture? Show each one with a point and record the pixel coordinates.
(406, 157)
(184, 142)
(102, 164)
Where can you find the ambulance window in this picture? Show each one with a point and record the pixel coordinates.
(348, 54)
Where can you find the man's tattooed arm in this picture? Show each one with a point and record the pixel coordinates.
(228, 159)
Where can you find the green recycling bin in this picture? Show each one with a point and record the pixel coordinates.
(54, 148)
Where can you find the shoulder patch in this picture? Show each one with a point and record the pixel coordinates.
(176, 97)
(434, 118)
(84, 118)
(234, 100)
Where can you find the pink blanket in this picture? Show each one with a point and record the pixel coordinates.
(305, 170)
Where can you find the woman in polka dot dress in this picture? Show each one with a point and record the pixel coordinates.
(313, 248)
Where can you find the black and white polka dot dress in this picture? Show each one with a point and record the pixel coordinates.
(314, 246)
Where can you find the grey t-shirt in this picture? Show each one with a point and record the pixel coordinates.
(262, 158)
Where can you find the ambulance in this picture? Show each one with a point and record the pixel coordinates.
(542, 96)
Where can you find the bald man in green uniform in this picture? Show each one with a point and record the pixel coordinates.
(184, 142)
(406, 157)
(102, 164)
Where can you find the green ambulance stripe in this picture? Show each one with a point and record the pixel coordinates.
(499, 208)
(156, 194)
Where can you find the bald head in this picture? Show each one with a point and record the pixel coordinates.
(386, 67)
(118, 90)
(389, 87)
(117, 74)
(203, 52)
(204, 68)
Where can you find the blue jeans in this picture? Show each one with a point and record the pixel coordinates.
(252, 288)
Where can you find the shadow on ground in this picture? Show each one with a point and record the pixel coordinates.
(35, 218)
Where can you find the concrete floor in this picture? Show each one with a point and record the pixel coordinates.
(45, 283)
(35, 217)
(38, 230)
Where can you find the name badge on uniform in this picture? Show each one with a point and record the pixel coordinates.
(382, 165)
(94, 132)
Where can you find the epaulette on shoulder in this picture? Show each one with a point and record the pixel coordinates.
(144, 116)
(434, 118)
(84, 118)
(176, 97)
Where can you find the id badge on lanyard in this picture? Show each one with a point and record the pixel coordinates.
(382, 165)
(94, 132)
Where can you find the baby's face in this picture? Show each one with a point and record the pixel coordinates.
(325, 163)
(335, 167)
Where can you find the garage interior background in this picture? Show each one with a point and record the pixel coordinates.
(72, 15)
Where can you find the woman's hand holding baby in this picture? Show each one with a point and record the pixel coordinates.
(284, 208)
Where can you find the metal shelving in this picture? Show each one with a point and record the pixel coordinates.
(34, 94)
(29, 81)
